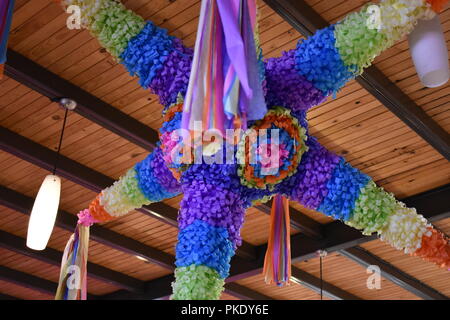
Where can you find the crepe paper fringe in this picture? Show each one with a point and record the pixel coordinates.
(309, 185)
(73, 281)
(98, 212)
(435, 248)
(288, 88)
(399, 17)
(124, 195)
(277, 118)
(277, 262)
(318, 60)
(438, 5)
(147, 52)
(372, 209)
(208, 197)
(202, 244)
(6, 13)
(172, 79)
(405, 229)
(155, 180)
(359, 44)
(343, 189)
(197, 283)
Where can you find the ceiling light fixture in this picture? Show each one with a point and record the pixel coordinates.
(45, 208)
(429, 52)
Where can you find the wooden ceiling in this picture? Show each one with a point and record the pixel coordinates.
(355, 125)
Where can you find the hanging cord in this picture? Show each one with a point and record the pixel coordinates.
(60, 141)
(321, 254)
(321, 279)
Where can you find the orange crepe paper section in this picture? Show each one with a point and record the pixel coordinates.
(98, 212)
(435, 248)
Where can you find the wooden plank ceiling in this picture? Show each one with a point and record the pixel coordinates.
(354, 124)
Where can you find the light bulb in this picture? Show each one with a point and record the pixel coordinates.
(43, 214)
(429, 52)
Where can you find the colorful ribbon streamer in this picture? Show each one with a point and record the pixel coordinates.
(277, 263)
(73, 276)
(6, 12)
(224, 87)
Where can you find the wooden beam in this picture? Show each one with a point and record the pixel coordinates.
(51, 256)
(43, 157)
(23, 204)
(48, 84)
(307, 21)
(388, 271)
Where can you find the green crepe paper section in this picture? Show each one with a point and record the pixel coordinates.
(124, 195)
(88, 8)
(372, 209)
(357, 44)
(197, 283)
(115, 26)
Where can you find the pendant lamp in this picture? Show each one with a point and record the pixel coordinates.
(429, 52)
(45, 208)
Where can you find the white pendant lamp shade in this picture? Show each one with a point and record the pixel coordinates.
(429, 52)
(44, 212)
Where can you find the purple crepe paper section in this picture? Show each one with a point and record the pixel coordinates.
(173, 78)
(286, 87)
(309, 185)
(163, 175)
(209, 196)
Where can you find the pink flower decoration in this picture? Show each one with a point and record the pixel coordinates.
(268, 161)
(85, 218)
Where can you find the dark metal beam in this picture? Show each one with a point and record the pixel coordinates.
(435, 203)
(51, 256)
(31, 282)
(23, 204)
(7, 297)
(244, 293)
(48, 84)
(28, 281)
(313, 283)
(388, 271)
(43, 157)
(307, 21)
